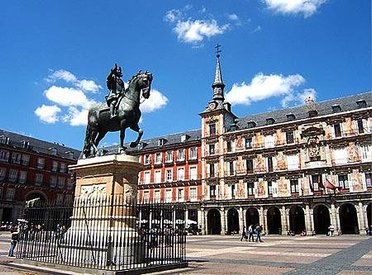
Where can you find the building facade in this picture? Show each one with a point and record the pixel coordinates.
(33, 170)
(298, 169)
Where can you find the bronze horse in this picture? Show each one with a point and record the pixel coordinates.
(128, 115)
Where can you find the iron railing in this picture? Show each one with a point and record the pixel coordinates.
(104, 232)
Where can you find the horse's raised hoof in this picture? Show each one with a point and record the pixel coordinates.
(133, 144)
(122, 150)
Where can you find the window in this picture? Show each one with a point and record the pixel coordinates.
(180, 174)
(231, 168)
(316, 181)
(270, 121)
(248, 142)
(336, 108)
(53, 151)
(146, 196)
(294, 186)
(251, 124)
(158, 158)
(61, 182)
(70, 184)
(229, 147)
(161, 141)
(16, 158)
(193, 194)
(193, 153)
(337, 129)
(212, 129)
(25, 160)
(270, 187)
(53, 181)
(184, 138)
(169, 175)
(233, 191)
(22, 176)
(270, 164)
(40, 163)
(59, 199)
(157, 196)
(2, 173)
(169, 156)
(293, 162)
(54, 166)
(4, 155)
(70, 155)
(147, 159)
(361, 103)
(212, 191)
(366, 152)
(181, 154)
(10, 194)
(211, 170)
(168, 195)
(13, 174)
(343, 181)
(62, 168)
(250, 187)
(38, 179)
(157, 176)
(360, 126)
(212, 149)
(249, 165)
(368, 176)
(313, 113)
(193, 173)
(180, 194)
(289, 137)
(147, 177)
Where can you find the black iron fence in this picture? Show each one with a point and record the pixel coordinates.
(103, 232)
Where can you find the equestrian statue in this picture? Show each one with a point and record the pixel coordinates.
(121, 111)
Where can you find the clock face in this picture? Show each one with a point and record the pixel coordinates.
(212, 105)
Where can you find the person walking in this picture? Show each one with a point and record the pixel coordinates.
(258, 233)
(14, 241)
(250, 232)
(244, 234)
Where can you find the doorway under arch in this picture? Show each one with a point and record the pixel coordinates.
(369, 216)
(274, 221)
(297, 219)
(348, 219)
(232, 221)
(252, 217)
(214, 222)
(321, 219)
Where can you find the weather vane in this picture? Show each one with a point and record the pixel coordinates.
(218, 50)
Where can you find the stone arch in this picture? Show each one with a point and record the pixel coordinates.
(34, 198)
(274, 221)
(296, 219)
(252, 217)
(232, 221)
(369, 215)
(214, 221)
(348, 219)
(321, 219)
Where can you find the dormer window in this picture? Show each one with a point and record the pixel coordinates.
(184, 138)
(251, 124)
(25, 144)
(291, 117)
(4, 140)
(313, 113)
(361, 103)
(70, 155)
(270, 121)
(161, 141)
(53, 151)
(142, 145)
(336, 108)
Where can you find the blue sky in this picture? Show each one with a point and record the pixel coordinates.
(55, 56)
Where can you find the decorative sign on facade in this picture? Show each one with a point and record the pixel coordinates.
(95, 190)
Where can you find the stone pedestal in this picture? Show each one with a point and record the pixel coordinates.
(104, 218)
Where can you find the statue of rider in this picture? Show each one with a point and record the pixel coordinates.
(116, 86)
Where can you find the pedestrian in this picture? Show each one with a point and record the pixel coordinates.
(258, 233)
(250, 232)
(244, 234)
(14, 241)
(331, 230)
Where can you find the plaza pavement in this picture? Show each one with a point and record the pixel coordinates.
(343, 255)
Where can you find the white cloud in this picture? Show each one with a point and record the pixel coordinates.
(155, 102)
(233, 17)
(67, 96)
(62, 75)
(77, 117)
(266, 86)
(172, 15)
(85, 85)
(48, 114)
(306, 7)
(193, 31)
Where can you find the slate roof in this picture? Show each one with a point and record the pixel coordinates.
(38, 146)
(347, 103)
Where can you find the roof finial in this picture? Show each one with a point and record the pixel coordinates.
(218, 50)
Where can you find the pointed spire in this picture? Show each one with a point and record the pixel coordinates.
(218, 84)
